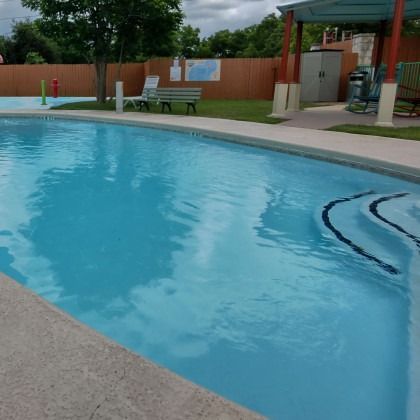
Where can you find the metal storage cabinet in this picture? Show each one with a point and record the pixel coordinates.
(320, 76)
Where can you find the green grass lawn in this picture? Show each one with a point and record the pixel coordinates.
(408, 133)
(249, 110)
(242, 110)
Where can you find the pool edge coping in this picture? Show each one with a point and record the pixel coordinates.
(85, 367)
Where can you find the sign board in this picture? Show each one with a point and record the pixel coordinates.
(175, 74)
(202, 70)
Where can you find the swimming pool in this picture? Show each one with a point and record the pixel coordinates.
(32, 102)
(284, 283)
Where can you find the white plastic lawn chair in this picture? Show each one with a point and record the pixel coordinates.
(148, 94)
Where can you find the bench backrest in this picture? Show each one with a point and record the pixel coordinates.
(179, 94)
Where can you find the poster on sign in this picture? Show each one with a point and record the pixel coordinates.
(175, 74)
(175, 71)
(202, 70)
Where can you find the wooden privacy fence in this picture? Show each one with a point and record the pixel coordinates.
(241, 78)
(408, 51)
(348, 64)
(247, 78)
(74, 79)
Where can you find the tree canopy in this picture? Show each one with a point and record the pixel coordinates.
(106, 29)
(265, 39)
(26, 38)
(260, 40)
(139, 43)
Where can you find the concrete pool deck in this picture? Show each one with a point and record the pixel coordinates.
(51, 366)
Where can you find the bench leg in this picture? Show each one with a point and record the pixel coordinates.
(144, 104)
(192, 106)
(167, 104)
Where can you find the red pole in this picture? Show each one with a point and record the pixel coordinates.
(298, 52)
(324, 39)
(380, 45)
(285, 50)
(395, 40)
(55, 88)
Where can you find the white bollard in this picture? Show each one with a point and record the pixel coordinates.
(293, 104)
(119, 97)
(280, 100)
(386, 105)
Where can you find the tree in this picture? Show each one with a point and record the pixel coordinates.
(188, 41)
(27, 38)
(3, 47)
(221, 44)
(109, 29)
(34, 57)
(240, 40)
(412, 27)
(267, 37)
(204, 50)
(312, 34)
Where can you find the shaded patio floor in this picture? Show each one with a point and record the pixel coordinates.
(327, 116)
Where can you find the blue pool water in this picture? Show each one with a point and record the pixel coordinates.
(32, 102)
(264, 277)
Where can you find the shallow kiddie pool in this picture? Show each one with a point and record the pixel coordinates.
(32, 102)
(286, 284)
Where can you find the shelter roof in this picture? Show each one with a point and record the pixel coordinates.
(337, 11)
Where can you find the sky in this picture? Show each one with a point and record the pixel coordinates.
(208, 15)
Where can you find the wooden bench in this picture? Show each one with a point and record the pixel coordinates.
(168, 96)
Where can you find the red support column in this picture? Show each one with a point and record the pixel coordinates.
(324, 39)
(380, 46)
(286, 46)
(298, 52)
(395, 40)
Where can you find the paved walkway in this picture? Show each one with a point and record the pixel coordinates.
(327, 116)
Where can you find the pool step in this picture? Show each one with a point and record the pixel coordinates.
(366, 223)
(399, 213)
